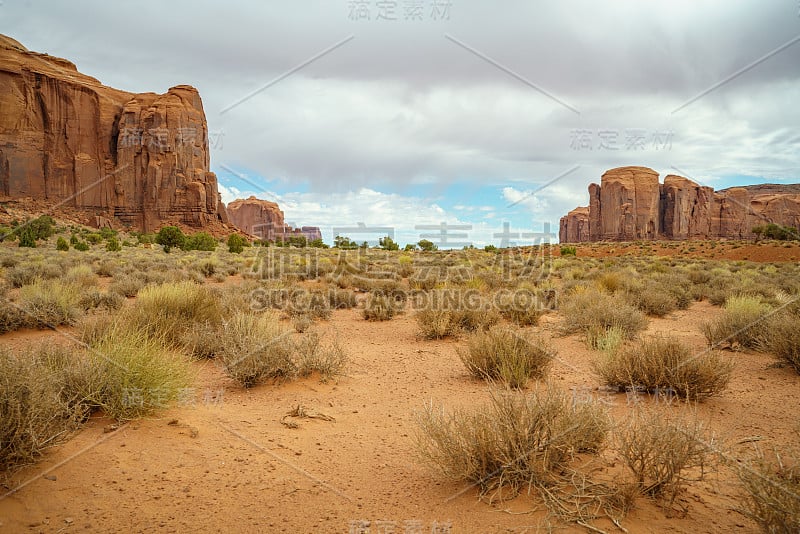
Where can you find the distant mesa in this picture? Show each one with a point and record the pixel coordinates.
(66, 139)
(264, 219)
(630, 204)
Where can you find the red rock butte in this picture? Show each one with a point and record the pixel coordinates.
(630, 204)
(69, 140)
(264, 219)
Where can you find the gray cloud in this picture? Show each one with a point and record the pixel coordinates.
(401, 104)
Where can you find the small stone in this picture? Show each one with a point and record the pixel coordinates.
(50, 477)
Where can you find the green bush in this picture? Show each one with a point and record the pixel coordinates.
(27, 237)
(113, 245)
(566, 250)
(170, 237)
(94, 238)
(236, 243)
(61, 244)
(201, 241)
(81, 246)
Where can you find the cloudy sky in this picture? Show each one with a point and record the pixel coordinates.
(478, 114)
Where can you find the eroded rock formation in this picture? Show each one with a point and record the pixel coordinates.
(630, 204)
(67, 139)
(265, 220)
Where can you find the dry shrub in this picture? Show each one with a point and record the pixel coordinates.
(341, 299)
(128, 286)
(36, 405)
(654, 300)
(506, 354)
(256, 348)
(168, 311)
(139, 375)
(301, 323)
(741, 324)
(664, 451)
(771, 492)
(313, 357)
(782, 339)
(521, 308)
(203, 340)
(50, 303)
(314, 304)
(448, 312)
(514, 441)
(12, 317)
(587, 309)
(665, 364)
(94, 298)
(381, 307)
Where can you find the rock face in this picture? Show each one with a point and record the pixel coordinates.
(67, 139)
(575, 226)
(264, 219)
(630, 204)
(257, 217)
(628, 201)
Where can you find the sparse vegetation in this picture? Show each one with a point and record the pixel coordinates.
(664, 452)
(741, 325)
(507, 355)
(588, 310)
(667, 367)
(516, 441)
(771, 492)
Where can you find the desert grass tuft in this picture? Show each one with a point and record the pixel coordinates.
(507, 355)
(665, 364)
(587, 309)
(41, 401)
(168, 311)
(257, 348)
(140, 375)
(782, 339)
(741, 324)
(515, 441)
(50, 303)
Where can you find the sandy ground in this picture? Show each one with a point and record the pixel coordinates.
(224, 462)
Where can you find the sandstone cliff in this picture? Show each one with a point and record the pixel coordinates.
(630, 204)
(67, 139)
(265, 220)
